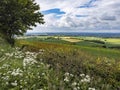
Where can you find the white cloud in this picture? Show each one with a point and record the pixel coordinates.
(104, 14)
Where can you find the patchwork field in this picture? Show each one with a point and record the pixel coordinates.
(69, 39)
(113, 40)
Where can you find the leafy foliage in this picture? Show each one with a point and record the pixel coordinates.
(17, 16)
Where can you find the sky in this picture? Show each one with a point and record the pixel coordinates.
(79, 16)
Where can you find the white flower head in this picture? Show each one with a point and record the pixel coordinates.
(66, 79)
(91, 88)
(14, 83)
(82, 75)
(74, 84)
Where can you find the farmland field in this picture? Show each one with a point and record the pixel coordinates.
(69, 39)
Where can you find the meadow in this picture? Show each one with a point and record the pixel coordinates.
(60, 63)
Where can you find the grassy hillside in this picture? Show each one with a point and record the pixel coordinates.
(99, 62)
(55, 64)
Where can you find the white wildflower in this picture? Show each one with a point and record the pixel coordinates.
(66, 79)
(67, 74)
(87, 76)
(14, 83)
(2, 50)
(6, 77)
(6, 83)
(91, 88)
(82, 75)
(43, 74)
(30, 58)
(5, 66)
(28, 61)
(16, 72)
(40, 89)
(85, 80)
(9, 54)
(71, 75)
(75, 88)
(78, 88)
(21, 86)
(74, 84)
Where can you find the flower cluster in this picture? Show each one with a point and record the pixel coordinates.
(13, 74)
(22, 71)
(85, 78)
(77, 83)
(16, 72)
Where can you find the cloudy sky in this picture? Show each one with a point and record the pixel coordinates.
(80, 16)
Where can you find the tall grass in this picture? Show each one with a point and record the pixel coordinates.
(50, 66)
(65, 58)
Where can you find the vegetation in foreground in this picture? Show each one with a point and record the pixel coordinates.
(23, 71)
(47, 66)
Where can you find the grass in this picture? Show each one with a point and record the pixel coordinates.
(25, 69)
(47, 39)
(92, 58)
(18, 74)
(54, 64)
(101, 52)
(86, 41)
(92, 48)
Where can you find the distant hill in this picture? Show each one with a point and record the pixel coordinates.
(117, 35)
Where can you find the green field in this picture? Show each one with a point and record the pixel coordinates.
(60, 63)
(100, 47)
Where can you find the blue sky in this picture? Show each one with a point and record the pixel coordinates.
(79, 16)
(54, 10)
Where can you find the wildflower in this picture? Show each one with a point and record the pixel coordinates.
(25, 82)
(41, 59)
(40, 89)
(6, 77)
(21, 86)
(28, 61)
(78, 88)
(9, 72)
(21, 80)
(2, 50)
(9, 54)
(6, 83)
(16, 72)
(71, 75)
(85, 80)
(5, 66)
(87, 76)
(14, 83)
(74, 84)
(82, 75)
(91, 88)
(38, 76)
(75, 88)
(42, 63)
(43, 74)
(48, 65)
(67, 74)
(66, 79)
(41, 50)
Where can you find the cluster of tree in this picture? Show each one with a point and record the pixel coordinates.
(18, 16)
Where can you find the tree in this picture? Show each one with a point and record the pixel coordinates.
(17, 16)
